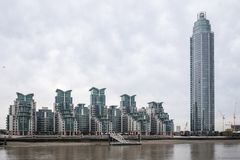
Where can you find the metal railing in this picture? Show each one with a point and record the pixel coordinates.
(118, 137)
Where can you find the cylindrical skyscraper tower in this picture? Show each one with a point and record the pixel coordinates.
(202, 76)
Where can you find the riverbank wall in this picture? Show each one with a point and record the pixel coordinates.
(94, 138)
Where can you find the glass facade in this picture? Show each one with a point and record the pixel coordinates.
(144, 121)
(67, 120)
(202, 76)
(159, 120)
(65, 114)
(128, 104)
(45, 121)
(114, 115)
(129, 123)
(82, 117)
(98, 117)
(97, 101)
(22, 115)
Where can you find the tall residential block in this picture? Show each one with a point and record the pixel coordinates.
(128, 104)
(99, 122)
(202, 76)
(114, 116)
(45, 121)
(159, 120)
(21, 119)
(82, 118)
(65, 122)
(129, 117)
(97, 101)
(144, 121)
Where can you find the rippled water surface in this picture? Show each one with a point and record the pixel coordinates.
(169, 151)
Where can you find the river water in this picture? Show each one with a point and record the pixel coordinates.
(204, 150)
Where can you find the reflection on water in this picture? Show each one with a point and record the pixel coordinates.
(194, 151)
(3, 154)
(202, 151)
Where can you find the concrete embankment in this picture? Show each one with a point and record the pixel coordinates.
(104, 138)
(105, 143)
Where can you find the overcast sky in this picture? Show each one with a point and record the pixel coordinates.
(135, 47)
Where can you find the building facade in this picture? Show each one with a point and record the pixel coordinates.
(97, 101)
(97, 118)
(114, 116)
(128, 104)
(21, 119)
(45, 121)
(202, 76)
(99, 122)
(82, 118)
(144, 121)
(159, 120)
(65, 122)
(129, 123)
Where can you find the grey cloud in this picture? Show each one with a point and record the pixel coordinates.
(135, 47)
